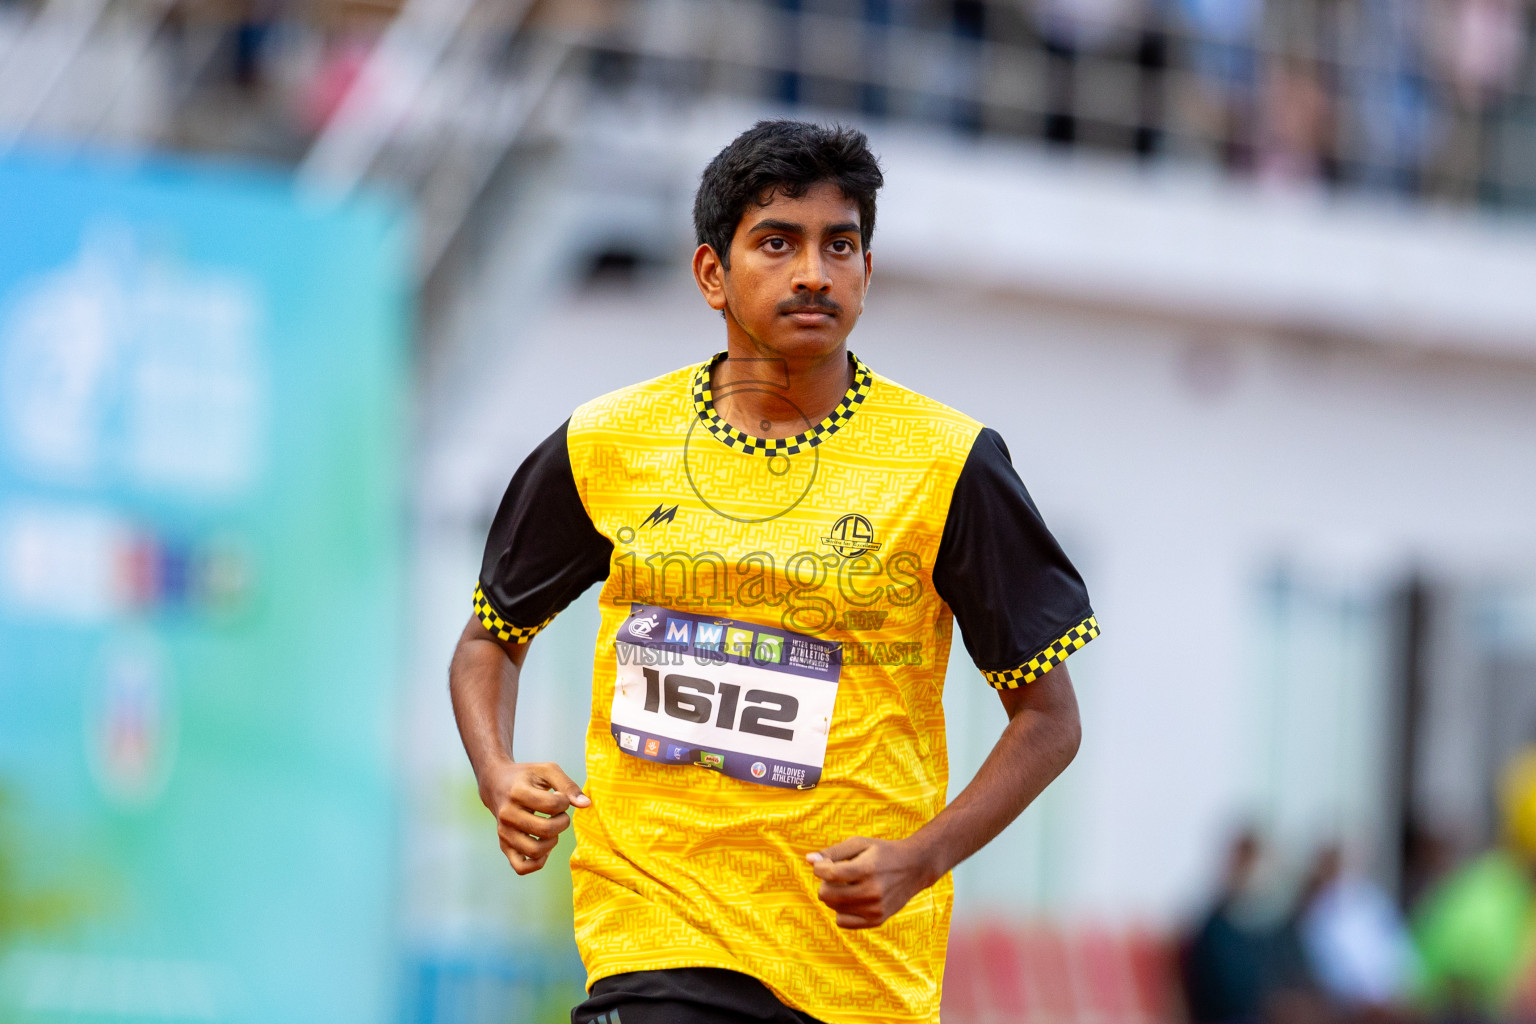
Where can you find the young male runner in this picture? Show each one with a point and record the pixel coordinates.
(784, 538)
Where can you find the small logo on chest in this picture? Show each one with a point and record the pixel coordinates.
(659, 516)
(851, 536)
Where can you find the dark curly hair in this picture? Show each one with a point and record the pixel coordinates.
(783, 157)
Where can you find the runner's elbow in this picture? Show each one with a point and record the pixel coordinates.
(1069, 734)
(1074, 738)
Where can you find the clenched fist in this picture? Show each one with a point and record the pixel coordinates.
(868, 880)
(530, 803)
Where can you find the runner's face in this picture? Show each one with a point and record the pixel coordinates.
(798, 272)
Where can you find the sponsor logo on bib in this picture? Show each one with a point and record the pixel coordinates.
(769, 649)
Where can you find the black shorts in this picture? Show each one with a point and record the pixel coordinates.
(685, 995)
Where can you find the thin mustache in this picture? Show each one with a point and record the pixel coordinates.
(815, 304)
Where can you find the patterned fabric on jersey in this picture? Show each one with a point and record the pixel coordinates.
(868, 535)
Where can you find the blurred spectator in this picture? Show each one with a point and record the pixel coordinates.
(1475, 930)
(1224, 55)
(1228, 960)
(251, 37)
(1339, 951)
(1296, 120)
(1428, 855)
(1479, 45)
(1355, 939)
(1389, 92)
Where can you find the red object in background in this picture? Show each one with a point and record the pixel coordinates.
(339, 71)
(1004, 974)
(962, 973)
(1155, 972)
(1043, 974)
(138, 571)
(1050, 976)
(1106, 984)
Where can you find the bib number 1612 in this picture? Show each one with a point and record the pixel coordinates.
(692, 699)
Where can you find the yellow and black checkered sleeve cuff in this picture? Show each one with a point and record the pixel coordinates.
(1053, 655)
(503, 629)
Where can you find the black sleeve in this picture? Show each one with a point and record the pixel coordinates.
(543, 550)
(1021, 606)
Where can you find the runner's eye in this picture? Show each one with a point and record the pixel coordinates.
(775, 244)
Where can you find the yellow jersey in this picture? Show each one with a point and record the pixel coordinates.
(768, 673)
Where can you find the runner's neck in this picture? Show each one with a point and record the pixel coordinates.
(767, 395)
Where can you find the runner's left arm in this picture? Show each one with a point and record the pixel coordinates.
(1022, 609)
(868, 880)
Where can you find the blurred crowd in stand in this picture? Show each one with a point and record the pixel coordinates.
(1430, 99)
(1413, 97)
(1456, 944)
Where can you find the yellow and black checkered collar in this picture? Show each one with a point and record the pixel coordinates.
(704, 404)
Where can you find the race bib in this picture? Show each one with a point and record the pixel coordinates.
(751, 701)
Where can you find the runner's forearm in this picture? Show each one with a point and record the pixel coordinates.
(1039, 742)
(482, 681)
(530, 801)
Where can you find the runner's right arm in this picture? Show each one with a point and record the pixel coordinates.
(541, 553)
(530, 800)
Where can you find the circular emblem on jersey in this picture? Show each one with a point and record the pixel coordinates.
(759, 769)
(851, 536)
(746, 487)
